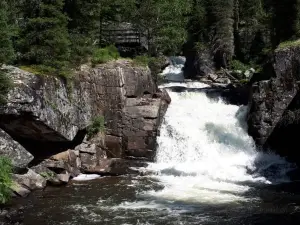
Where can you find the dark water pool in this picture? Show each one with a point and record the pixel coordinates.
(121, 201)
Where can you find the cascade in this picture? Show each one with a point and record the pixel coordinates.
(204, 151)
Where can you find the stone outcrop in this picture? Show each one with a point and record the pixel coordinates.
(274, 104)
(49, 118)
(14, 151)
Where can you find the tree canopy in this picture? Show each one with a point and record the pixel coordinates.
(62, 33)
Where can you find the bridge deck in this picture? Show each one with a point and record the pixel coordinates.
(124, 34)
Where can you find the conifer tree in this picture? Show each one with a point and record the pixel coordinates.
(285, 17)
(220, 17)
(197, 22)
(83, 27)
(44, 39)
(164, 22)
(6, 47)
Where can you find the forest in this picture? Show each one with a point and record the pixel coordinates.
(55, 35)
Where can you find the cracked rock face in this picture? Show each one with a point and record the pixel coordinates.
(275, 103)
(47, 117)
(14, 151)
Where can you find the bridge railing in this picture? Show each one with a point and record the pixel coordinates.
(124, 35)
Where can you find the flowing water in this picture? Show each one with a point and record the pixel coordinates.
(207, 171)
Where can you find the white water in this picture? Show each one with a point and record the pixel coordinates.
(204, 152)
(86, 177)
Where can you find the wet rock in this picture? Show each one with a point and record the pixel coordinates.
(15, 216)
(20, 190)
(88, 160)
(30, 180)
(116, 167)
(64, 178)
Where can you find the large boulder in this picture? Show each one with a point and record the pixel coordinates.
(274, 104)
(14, 151)
(31, 180)
(47, 115)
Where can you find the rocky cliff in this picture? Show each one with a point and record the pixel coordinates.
(273, 117)
(44, 124)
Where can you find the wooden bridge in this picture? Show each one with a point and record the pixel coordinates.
(124, 35)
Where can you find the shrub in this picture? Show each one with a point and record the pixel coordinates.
(5, 179)
(48, 175)
(288, 44)
(98, 124)
(5, 85)
(103, 55)
(142, 60)
(238, 65)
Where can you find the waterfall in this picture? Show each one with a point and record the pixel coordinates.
(204, 151)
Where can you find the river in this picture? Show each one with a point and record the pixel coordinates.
(207, 171)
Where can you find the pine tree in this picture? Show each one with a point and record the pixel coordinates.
(44, 39)
(285, 19)
(6, 47)
(220, 18)
(164, 22)
(197, 24)
(83, 27)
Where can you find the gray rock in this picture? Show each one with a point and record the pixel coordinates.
(212, 77)
(13, 150)
(87, 148)
(116, 167)
(49, 117)
(273, 102)
(30, 180)
(64, 178)
(20, 190)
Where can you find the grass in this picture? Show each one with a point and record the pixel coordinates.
(288, 44)
(141, 60)
(98, 125)
(64, 73)
(103, 55)
(5, 180)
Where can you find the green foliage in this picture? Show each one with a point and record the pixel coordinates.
(48, 175)
(5, 86)
(98, 125)
(83, 27)
(47, 70)
(288, 44)
(5, 179)
(141, 60)
(7, 54)
(44, 39)
(285, 20)
(221, 22)
(238, 65)
(164, 23)
(103, 55)
(50, 37)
